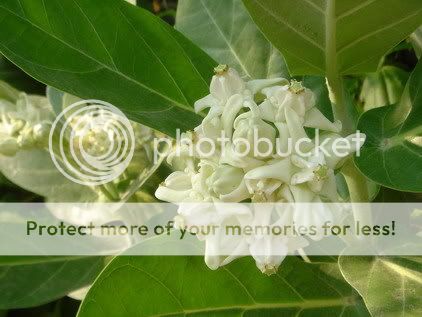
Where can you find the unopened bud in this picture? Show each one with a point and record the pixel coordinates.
(9, 147)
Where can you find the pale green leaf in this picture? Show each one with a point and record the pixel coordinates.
(224, 29)
(390, 286)
(335, 36)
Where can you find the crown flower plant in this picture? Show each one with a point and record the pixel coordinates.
(210, 158)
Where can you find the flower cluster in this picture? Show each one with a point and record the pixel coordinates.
(24, 124)
(277, 110)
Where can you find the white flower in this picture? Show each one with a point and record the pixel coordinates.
(314, 171)
(250, 167)
(299, 99)
(226, 83)
(248, 129)
(340, 148)
(176, 188)
(226, 183)
(25, 124)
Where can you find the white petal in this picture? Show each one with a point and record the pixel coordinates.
(259, 84)
(329, 189)
(227, 84)
(267, 110)
(239, 194)
(282, 142)
(316, 185)
(302, 194)
(179, 181)
(281, 170)
(232, 108)
(296, 130)
(171, 195)
(334, 160)
(206, 102)
(302, 177)
(300, 162)
(268, 253)
(315, 119)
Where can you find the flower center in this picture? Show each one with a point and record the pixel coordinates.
(321, 172)
(296, 87)
(221, 69)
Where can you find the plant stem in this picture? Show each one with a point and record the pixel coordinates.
(358, 190)
(356, 182)
(334, 80)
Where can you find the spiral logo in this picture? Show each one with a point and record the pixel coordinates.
(91, 142)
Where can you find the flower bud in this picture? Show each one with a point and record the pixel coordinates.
(225, 179)
(225, 83)
(268, 253)
(9, 147)
(176, 188)
(253, 136)
(16, 126)
(26, 138)
(41, 132)
(299, 98)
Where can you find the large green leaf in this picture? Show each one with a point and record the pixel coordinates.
(224, 29)
(32, 281)
(392, 153)
(345, 36)
(390, 286)
(181, 286)
(115, 52)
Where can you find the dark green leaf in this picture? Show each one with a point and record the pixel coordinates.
(181, 286)
(115, 52)
(392, 153)
(32, 281)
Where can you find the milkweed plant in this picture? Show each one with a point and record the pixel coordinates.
(258, 101)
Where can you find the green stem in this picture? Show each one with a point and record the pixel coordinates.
(334, 80)
(358, 190)
(356, 182)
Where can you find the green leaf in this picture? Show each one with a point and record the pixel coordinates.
(181, 286)
(392, 153)
(226, 32)
(384, 87)
(115, 52)
(416, 40)
(344, 37)
(390, 286)
(32, 281)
